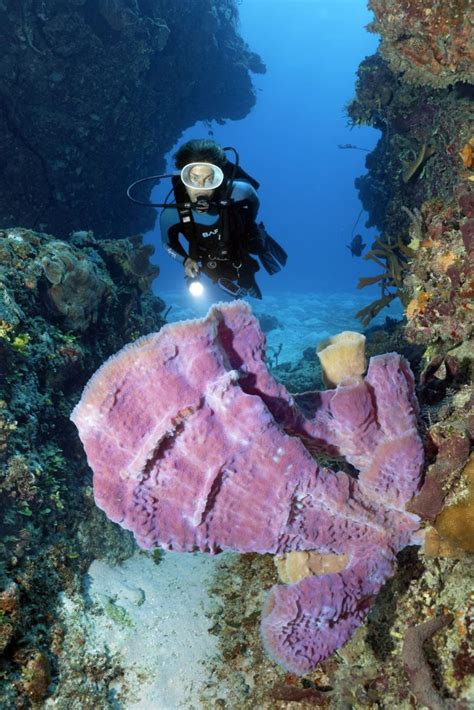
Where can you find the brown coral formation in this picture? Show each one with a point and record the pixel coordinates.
(430, 42)
(452, 445)
(455, 523)
(36, 677)
(75, 288)
(448, 442)
(440, 287)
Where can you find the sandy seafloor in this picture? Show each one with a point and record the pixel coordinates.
(156, 618)
(306, 318)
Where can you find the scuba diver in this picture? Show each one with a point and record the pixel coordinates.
(215, 210)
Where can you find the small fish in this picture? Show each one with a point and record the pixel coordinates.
(356, 246)
(354, 147)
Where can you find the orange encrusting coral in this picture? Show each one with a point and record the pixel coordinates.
(435, 546)
(455, 523)
(417, 304)
(444, 261)
(467, 154)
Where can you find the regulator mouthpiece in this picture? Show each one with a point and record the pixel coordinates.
(202, 203)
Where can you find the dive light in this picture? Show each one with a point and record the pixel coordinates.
(195, 287)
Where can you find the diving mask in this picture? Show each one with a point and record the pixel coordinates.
(201, 176)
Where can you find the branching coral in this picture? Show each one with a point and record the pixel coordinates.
(393, 259)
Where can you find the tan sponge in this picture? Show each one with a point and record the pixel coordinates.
(342, 356)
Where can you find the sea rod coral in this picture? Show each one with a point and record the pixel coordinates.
(194, 446)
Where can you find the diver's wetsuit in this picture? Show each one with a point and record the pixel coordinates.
(208, 235)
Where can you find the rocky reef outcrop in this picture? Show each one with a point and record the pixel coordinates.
(430, 43)
(93, 93)
(416, 91)
(418, 156)
(424, 155)
(418, 192)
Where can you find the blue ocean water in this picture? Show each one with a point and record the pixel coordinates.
(305, 318)
(290, 139)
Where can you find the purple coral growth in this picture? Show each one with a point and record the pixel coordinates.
(194, 446)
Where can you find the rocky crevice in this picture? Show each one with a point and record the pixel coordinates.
(98, 91)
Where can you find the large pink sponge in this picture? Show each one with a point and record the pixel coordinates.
(194, 446)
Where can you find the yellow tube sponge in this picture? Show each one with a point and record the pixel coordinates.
(342, 356)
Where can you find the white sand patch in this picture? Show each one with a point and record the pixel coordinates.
(156, 617)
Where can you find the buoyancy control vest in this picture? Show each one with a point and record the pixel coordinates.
(228, 236)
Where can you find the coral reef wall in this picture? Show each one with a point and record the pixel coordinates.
(429, 42)
(416, 91)
(418, 154)
(418, 192)
(93, 93)
(64, 308)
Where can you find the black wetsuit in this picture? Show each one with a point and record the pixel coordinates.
(221, 240)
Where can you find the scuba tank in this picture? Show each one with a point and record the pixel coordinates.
(237, 237)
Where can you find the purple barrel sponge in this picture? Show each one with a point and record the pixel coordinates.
(194, 446)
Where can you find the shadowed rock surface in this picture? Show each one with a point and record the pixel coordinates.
(93, 93)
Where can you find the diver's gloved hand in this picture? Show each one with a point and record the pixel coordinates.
(191, 268)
